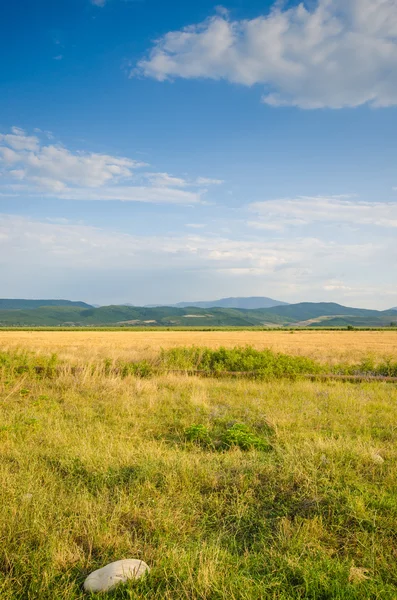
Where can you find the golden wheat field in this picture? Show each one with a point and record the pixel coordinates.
(80, 346)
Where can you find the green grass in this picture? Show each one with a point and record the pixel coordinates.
(228, 488)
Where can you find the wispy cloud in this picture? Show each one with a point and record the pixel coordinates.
(292, 268)
(286, 212)
(166, 179)
(32, 167)
(340, 53)
(81, 245)
(208, 181)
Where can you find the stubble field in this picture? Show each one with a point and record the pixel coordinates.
(327, 346)
(228, 488)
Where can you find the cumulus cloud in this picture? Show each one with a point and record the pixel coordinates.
(30, 167)
(278, 214)
(340, 53)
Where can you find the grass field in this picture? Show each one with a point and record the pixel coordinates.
(327, 346)
(228, 489)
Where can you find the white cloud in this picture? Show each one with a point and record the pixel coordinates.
(56, 166)
(155, 195)
(164, 179)
(208, 181)
(342, 53)
(99, 2)
(30, 167)
(278, 214)
(48, 134)
(19, 141)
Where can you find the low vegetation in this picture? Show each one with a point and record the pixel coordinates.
(264, 364)
(274, 487)
(245, 361)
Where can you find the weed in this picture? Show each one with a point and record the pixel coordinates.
(198, 434)
(241, 436)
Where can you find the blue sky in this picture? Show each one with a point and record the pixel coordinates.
(157, 151)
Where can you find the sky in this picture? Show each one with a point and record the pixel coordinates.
(156, 151)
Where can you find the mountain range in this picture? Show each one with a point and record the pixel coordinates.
(56, 313)
(251, 303)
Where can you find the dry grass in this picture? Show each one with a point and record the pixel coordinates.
(326, 346)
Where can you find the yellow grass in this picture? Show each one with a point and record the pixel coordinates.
(80, 346)
(96, 468)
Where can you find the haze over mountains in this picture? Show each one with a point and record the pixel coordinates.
(65, 313)
(252, 302)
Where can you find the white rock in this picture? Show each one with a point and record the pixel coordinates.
(115, 573)
(378, 459)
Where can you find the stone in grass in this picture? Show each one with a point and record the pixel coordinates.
(115, 573)
(377, 458)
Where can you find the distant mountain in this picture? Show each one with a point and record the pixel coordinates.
(18, 304)
(126, 316)
(305, 314)
(250, 303)
(311, 310)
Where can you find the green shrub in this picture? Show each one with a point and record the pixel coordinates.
(261, 364)
(198, 434)
(138, 369)
(368, 367)
(240, 435)
(236, 435)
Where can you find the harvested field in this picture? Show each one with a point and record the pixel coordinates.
(326, 346)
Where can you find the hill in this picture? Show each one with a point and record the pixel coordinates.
(130, 316)
(251, 303)
(306, 314)
(311, 310)
(20, 304)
